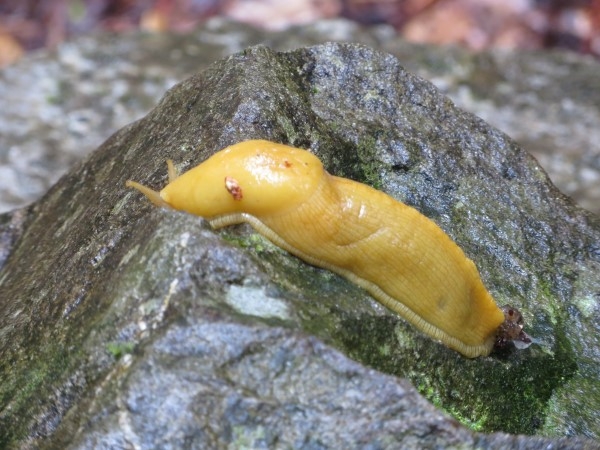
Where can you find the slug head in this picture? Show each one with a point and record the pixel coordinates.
(254, 177)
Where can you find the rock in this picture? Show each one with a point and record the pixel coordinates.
(546, 101)
(123, 324)
(58, 106)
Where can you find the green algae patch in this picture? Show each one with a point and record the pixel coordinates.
(503, 392)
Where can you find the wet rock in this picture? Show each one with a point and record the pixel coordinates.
(125, 324)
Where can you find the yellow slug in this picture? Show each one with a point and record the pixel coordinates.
(399, 256)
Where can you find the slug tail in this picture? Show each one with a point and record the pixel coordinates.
(153, 196)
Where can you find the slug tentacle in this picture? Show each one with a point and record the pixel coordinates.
(150, 194)
(403, 259)
(171, 170)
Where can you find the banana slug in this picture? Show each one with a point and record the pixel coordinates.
(402, 258)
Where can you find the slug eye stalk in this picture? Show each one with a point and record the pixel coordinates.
(153, 196)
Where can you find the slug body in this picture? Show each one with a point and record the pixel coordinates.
(403, 259)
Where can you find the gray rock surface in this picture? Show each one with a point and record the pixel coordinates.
(126, 325)
(56, 107)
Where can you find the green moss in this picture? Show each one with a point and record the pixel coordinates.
(28, 379)
(586, 305)
(247, 437)
(385, 350)
(369, 162)
(119, 349)
(504, 392)
(252, 241)
(580, 398)
(288, 127)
